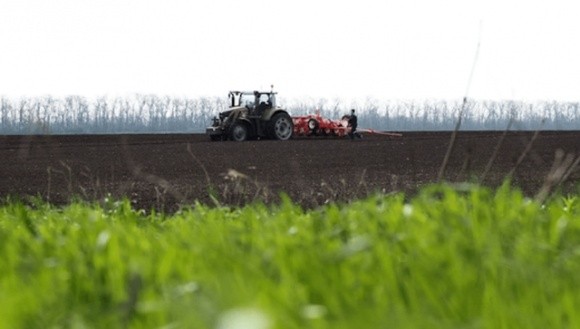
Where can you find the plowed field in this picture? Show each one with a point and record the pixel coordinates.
(166, 171)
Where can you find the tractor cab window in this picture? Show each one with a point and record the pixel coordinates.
(252, 100)
(247, 100)
(265, 99)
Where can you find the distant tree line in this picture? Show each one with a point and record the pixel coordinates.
(164, 114)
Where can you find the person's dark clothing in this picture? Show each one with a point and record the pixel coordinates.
(353, 123)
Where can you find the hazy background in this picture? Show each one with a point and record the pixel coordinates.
(382, 48)
(326, 55)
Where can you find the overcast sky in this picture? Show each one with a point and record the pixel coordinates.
(388, 49)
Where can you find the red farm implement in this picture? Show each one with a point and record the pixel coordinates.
(316, 125)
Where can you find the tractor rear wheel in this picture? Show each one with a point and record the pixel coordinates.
(239, 132)
(281, 126)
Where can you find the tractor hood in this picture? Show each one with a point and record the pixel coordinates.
(227, 113)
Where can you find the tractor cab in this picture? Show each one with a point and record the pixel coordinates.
(255, 101)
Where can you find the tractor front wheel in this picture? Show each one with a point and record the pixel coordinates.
(239, 132)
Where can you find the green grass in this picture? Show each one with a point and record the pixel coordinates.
(447, 258)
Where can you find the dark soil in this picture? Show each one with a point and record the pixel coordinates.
(168, 171)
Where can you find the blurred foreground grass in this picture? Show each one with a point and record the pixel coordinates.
(448, 258)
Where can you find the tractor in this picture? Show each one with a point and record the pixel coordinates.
(251, 115)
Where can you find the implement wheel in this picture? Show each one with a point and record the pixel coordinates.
(313, 126)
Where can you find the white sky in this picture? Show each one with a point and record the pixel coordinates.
(387, 49)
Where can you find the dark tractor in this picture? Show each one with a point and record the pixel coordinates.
(251, 115)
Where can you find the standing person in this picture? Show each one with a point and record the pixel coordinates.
(353, 123)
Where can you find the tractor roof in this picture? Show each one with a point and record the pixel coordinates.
(252, 92)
